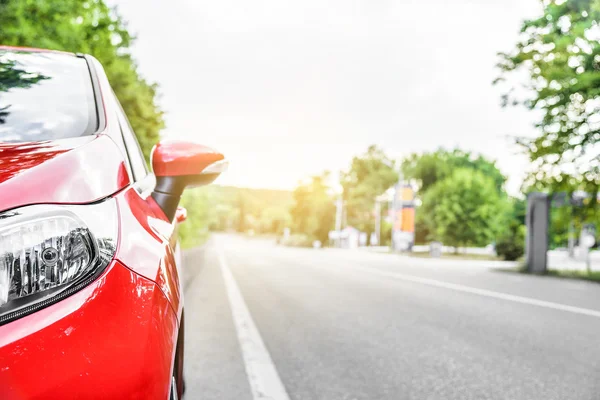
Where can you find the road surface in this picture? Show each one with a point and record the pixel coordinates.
(333, 324)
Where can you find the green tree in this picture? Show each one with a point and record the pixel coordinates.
(369, 176)
(87, 27)
(429, 168)
(560, 54)
(313, 211)
(242, 218)
(273, 220)
(464, 209)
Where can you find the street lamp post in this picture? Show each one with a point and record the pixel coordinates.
(379, 200)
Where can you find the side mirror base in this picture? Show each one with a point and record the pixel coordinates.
(179, 165)
(167, 202)
(168, 190)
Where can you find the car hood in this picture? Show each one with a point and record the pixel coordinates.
(67, 171)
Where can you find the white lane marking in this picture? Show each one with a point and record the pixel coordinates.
(262, 374)
(483, 292)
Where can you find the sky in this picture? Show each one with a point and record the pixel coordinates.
(287, 89)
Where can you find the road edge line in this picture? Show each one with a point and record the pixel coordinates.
(262, 375)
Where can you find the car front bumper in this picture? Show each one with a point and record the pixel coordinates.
(114, 339)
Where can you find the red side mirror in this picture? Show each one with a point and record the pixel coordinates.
(183, 159)
(178, 165)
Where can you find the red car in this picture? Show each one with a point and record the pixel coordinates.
(91, 302)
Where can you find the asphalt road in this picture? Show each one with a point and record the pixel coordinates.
(353, 325)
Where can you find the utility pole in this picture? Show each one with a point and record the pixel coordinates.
(393, 214)
(396, 204)
(339, 207)
(537, 220)
(378, 221)
(379, 201)
(571, 238)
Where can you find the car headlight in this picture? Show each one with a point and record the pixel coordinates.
(48, 252)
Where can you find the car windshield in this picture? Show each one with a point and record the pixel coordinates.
(44, 96)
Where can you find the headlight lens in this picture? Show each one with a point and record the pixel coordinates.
(49, 252)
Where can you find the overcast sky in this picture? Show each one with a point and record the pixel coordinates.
(287, 89)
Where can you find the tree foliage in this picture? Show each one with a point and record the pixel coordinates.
(429, 168)
(559, 53)
(463, 209)
(87, 27)
(313, 211)
(369, 176)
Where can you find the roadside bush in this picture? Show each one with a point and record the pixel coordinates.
(297, 240)
(511, 245)
(194, 231)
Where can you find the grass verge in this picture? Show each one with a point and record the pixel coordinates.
(583, 275)
(593, 276)
(191, 241)
(459, 256)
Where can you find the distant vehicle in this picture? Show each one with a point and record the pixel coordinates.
(91, 302)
